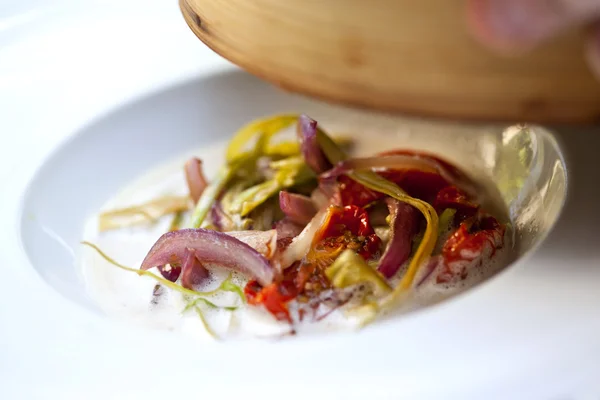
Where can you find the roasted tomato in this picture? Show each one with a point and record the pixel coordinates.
(353, 193)
(344, 227)
(274, 297)
(348, 227)
(477, 237)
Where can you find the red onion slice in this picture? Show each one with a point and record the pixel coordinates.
(311, 151)
(211, 247)
(170, 272)
(297, 208)
(195, 178)
(404, 225)
(192, 271)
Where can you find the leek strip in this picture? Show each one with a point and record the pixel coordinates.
(138, 214)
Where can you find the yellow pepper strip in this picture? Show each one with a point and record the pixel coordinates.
(292, 148)
(283, 149)
(267, 126)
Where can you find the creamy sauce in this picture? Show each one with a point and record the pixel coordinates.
(126, 295)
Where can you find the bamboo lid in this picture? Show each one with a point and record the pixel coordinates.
(406, 56)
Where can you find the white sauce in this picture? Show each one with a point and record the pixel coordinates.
(126, 295)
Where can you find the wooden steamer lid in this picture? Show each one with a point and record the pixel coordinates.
(406, 56)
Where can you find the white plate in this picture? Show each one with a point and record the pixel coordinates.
(531, 333)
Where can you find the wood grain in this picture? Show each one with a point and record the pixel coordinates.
(397, 55)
